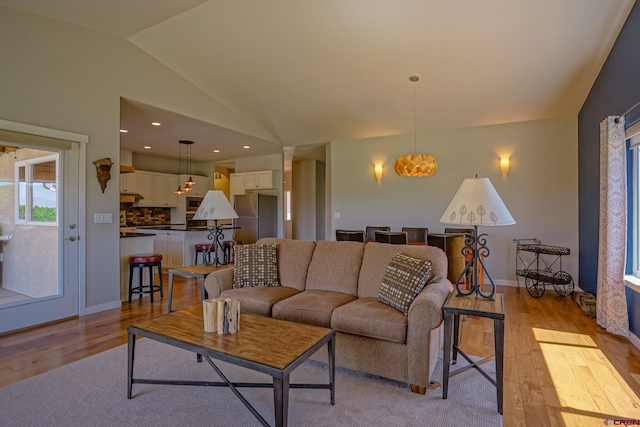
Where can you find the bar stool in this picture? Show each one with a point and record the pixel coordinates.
(227, 247)
(141, 261)
(202, 248)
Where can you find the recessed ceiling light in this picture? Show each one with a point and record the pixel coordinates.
(146, 147)
(123, 131)
(216, 151)
(247, 146)
(156, 123)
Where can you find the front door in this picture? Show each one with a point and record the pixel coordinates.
(39, 229)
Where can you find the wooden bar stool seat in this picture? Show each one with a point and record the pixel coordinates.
(202, 248)
(141, 261)
(228, 246)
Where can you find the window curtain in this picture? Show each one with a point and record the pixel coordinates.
(611, 301)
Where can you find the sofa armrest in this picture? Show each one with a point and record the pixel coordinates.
(218, 281)
(425, 315)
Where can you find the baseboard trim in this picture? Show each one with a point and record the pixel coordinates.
(634, 340)
(101, 307)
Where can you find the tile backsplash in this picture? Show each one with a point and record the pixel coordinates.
(146, 216)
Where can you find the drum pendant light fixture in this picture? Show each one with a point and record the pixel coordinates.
(415, 164)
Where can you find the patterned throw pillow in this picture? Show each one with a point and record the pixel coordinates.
(255, 265)
(403, 280)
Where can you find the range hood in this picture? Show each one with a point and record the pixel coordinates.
(130, 197)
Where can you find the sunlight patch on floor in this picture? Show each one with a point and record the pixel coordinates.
(588, 387)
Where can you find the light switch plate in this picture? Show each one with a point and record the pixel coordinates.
(102, 218)
(336, 215)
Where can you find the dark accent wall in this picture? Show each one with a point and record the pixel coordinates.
(616, 89)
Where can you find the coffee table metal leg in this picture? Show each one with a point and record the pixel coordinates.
(281, 400)
(170, 289)
(131, 351)
(331, 346)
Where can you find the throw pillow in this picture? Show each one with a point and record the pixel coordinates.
(255, 265)
(403, 280)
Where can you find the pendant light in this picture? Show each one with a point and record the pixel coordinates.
(179, 190)
(189, 182)
(415, 164)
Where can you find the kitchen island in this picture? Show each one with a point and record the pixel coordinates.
(176, 244)
(132, 243)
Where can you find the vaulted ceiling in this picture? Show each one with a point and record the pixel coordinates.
(313, 71)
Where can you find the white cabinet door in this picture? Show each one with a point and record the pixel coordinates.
(160, 189)
(128, 183)
(146, 188)
(236, 184)
(250, 180)
(172, 186)
(175, 245)
(265, 179)
(161, 246)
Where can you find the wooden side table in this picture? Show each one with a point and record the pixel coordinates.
(473, 305)
(200, 271)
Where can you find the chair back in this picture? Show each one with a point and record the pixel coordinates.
(370, 232)
(392, 237)
(350, 235)
(459, 230)
(416, 234)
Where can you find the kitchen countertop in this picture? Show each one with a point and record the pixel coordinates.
(134, 234)
(172, 227)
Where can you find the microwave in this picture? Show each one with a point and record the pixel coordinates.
(192, 203)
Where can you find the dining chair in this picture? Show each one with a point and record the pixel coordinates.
(370, 232)
(392, 237)
(417, 235)
(350, 235)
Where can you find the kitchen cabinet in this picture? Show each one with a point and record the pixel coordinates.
(256, 180)
(201, 186)
(157, 189)
(146, 188)
(164, 186)
(128, 183)
(170, 244)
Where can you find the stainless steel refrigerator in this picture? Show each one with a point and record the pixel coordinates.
(257, 217)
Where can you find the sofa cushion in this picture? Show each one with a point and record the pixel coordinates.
(259, 301)
(310, 307)
(370, 318)
(255, 265)
(294, 257)
(377, 256)
(403, 280)
(335, 267)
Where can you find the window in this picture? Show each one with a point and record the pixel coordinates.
(36, 182)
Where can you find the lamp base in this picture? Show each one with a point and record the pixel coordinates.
(476, 246)
(216, 235)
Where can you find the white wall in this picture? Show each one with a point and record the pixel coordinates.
(541, 189)
(63, 77)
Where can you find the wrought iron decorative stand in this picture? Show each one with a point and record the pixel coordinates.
(476, 246)
(539, 271)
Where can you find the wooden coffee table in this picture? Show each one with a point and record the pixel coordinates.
(275, 347)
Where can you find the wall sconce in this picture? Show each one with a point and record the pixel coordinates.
(504, 165)
(377, 170)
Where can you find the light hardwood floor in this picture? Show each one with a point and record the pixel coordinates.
(561, 369)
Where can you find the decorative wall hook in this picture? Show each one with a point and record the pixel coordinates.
(103, 169)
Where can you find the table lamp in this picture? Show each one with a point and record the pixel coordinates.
(215, 206)
(476, 203)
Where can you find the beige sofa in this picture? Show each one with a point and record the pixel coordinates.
(335, 285)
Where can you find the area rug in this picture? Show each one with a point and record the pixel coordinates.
(92, 392)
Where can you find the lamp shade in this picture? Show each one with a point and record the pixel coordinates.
(215, 206)
(477, 203)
